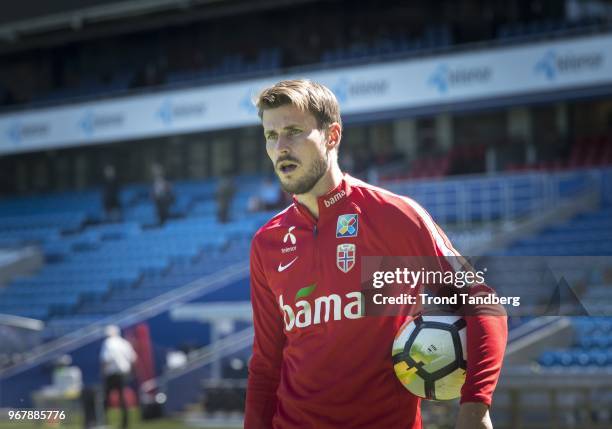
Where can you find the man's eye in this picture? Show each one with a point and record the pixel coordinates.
(271, 137)
(294, 132)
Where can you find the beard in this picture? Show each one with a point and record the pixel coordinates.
(310, 179)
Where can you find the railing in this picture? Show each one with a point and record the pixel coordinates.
(528, 400)
(183, 385)
(17, 334)
(503, 197)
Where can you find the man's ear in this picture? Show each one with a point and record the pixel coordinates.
(334, 134)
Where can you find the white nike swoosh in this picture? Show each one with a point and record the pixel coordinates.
(282, 267)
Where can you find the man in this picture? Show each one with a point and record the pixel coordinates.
(269, 197)
(162, 193)
(333, 369)
(116, 358)
(110, 196)
(225, 194)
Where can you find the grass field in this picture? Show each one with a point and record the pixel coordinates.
(114, 419)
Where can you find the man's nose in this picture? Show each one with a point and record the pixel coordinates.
(282, 145)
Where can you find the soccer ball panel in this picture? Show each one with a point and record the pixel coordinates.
(462, 337)
(449, 320)
(403, 334)
(448, 387)
(434, 348)
(415, 384)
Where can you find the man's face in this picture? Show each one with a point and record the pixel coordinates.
(296, 147)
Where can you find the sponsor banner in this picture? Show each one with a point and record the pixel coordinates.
(489, 73)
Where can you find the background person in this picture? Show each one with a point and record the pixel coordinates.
(110, 195)
(117, 357)
(269, 197)
(225, 194)
(162, 193)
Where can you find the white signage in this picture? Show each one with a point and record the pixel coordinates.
(486, 74)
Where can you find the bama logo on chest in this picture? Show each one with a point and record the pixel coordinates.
(322, 309)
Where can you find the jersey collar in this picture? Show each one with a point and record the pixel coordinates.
(328, 203)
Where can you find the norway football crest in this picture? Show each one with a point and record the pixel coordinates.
(345, 257)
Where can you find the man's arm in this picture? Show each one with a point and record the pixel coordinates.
(265, 363)
(486, 343)
(487, 333)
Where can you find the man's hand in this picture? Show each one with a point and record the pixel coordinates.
(473, 415)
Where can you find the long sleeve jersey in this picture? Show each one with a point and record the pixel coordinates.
(317, 362)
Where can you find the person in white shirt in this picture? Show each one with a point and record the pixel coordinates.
(116, 358)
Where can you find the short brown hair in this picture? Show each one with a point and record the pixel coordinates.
(304, 94)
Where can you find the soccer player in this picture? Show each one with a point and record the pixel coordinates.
(317, 362)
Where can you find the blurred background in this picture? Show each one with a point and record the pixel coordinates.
(133, 175)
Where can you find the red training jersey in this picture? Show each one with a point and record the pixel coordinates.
(317, 363)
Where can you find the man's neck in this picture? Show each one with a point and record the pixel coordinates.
(329, 181)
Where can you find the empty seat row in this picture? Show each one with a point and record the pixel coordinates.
(576, 357)
(601, 341)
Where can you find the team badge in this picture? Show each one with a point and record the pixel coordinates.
(347, 226)
(345, 257)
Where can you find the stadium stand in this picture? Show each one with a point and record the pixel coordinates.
(586, 151)
(92, 261)
(585, 235)
(95, 270)
(148, 58)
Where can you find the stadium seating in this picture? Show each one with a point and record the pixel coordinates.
(96, 269)
(588, 234)
(518, 30)
(586, 152)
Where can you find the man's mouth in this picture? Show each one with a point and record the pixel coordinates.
(287, 166)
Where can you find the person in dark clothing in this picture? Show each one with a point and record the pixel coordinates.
(268, 197)
(162, 193)
(225, 193)
(110, 194)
